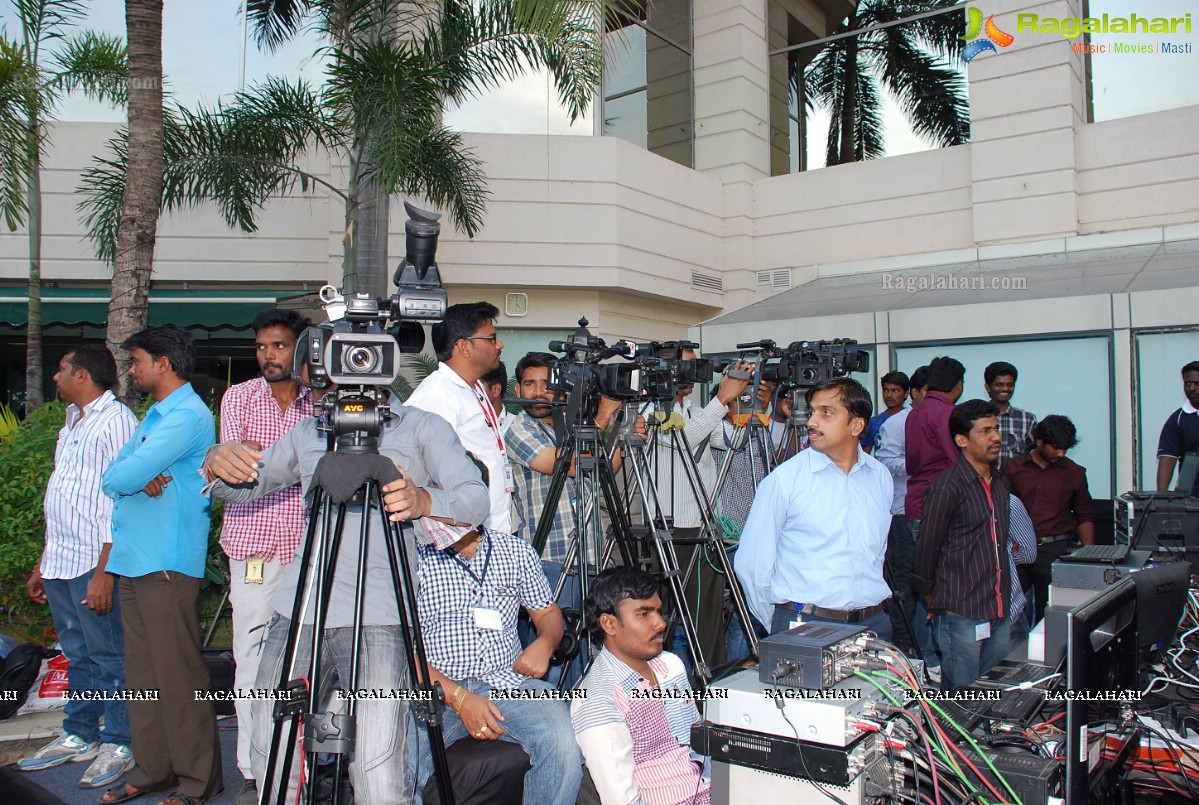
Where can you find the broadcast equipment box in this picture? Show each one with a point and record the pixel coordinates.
(814, 655)
(1158, 521)
(1096, 575)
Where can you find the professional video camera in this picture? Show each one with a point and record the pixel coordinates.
(805, 363)
(580, 371)
(360, 346)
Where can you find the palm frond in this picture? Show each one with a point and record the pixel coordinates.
(422, 366)
(869, 139)
(932, 95)
(95, 65)
(275, 21)
(43, 20)
(17, 90)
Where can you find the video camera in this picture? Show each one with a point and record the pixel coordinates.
(803, 364)
(360, 346)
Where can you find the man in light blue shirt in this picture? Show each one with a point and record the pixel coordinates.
(159, 541)
(814, 543)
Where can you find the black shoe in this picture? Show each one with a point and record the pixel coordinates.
(248, 795)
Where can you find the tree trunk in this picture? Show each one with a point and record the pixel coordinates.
(136, 234)
(34, 376)
(849, 104)
(374, 209)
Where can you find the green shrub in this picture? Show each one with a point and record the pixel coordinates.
(26, 460)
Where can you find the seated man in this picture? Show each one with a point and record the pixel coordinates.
(469, 597)
(633, 719)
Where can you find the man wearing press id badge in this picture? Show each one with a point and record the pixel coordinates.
(469, 598)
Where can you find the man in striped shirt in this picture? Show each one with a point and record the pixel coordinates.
(71, 574)
(260, 538)
(633, 715)
(963, 560)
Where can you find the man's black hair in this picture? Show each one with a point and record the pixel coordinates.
(97, 361)
(1193, 366)
(291, 319)
(944, 374)
(853, 396)
(999, 369)
(541, 360)
(896, 379)
(169, 341)
(461, 321)
(1056, 430)
(919, 379)
(496, 377)
(610, 588)
(964, 415)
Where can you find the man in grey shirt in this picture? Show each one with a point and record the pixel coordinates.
(440, 483)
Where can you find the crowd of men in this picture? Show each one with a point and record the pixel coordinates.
(933, 525)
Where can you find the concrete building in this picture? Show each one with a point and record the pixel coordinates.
(1077, 242)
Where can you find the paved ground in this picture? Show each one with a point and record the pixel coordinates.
(60, 786)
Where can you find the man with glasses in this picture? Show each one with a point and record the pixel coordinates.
(468, 348)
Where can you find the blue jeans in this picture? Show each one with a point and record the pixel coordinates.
(541, 726)
(878, 623)
(736, 641)
(964, 657)
(95, 648)
(926, 638)
(380, 770)
(569, 599)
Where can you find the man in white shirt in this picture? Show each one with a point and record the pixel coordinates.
(468, 347)
(813, 545)
(71, 574)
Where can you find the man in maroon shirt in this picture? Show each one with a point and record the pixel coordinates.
(929, 449)
(1054, 490)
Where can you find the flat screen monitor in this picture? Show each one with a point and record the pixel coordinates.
(1101, 655)
(1161, 596)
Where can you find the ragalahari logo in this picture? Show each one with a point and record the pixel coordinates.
(976, 26)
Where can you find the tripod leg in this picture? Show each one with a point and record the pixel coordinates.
(428, 707)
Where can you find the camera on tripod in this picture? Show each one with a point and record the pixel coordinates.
(803, 364)
(580, 370)
(360, 346)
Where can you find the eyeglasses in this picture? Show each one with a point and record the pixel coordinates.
(491, 338)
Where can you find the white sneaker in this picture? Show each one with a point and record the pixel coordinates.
(111, 763)
(933, 672)
(59, 751)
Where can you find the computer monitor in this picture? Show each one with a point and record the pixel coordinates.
(1161, 596)
(1101, 655)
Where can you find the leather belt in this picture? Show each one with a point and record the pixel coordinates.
(1054, 538)
(843, 615)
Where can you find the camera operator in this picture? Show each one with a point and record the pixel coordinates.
(439, 481)
(705, 590)
(468, 347)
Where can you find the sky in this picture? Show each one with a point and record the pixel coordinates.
(204, 60)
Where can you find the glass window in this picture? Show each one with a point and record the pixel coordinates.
(1159, 360)
(890, 120)
(1069, 376)
(648, 92)
(1126, 81)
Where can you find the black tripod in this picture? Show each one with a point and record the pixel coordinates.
(352, 475)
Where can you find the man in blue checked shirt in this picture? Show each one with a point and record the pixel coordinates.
(71, 574)
(469, 598)
(159, 543)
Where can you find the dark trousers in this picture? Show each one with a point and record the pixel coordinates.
(705, 598)
(901, 548)
(174, 738)
(1041, 572)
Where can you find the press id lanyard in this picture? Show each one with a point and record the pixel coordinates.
(493, 422)
(485, 617)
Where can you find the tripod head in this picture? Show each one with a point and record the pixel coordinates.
(354, 417)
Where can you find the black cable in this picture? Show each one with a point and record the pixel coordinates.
(1172, 747)
(780, 704)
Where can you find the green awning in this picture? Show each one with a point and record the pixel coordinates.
(191, 309)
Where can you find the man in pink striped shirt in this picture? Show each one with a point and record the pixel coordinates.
(261, 538)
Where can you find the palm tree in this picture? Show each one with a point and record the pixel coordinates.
(140, 199)
(914, 61)
(37, 69)
(391, 69)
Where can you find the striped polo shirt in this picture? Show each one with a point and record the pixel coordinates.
(78, 514)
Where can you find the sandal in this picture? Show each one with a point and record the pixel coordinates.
(115, 795)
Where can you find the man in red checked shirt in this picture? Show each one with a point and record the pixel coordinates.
(260, 538)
